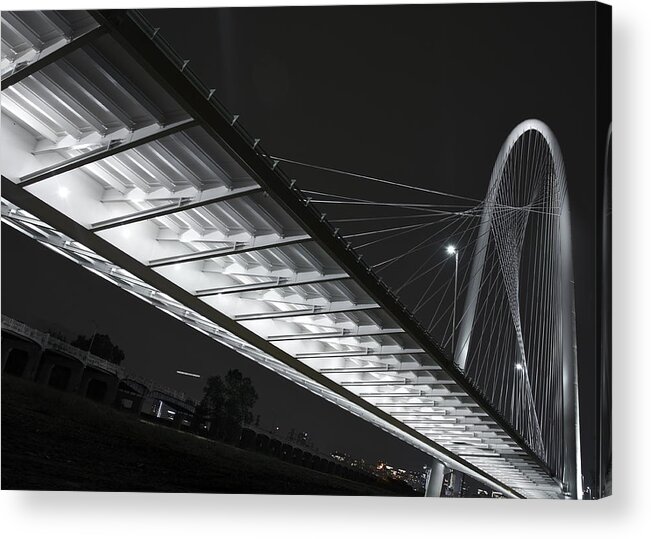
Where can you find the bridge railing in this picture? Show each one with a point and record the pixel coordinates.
(45, 340)
(101, 363)
(22, 329)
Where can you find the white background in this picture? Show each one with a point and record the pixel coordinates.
(626, 514)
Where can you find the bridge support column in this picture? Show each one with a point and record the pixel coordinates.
(435, 480)
(143, 402)
(32, 366)
(111, 391)
(43, 374)
(456, 482)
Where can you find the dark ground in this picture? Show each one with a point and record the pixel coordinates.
(59, 441)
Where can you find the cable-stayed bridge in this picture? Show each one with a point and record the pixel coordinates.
(448, 322)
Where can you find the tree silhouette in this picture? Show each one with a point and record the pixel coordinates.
(227, 404)
(240, 396)
(212, 404)
(100, 345)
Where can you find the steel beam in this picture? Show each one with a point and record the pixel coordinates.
(281, 282)
(360, 353)
(307, 312)
(414, 405)
(432, 368)
(414, 396)
(436, 404)
(55, 55)
(406, 382)
(209, 196)
(446, 420)
(126, 86)
(97, 155)
(337, 335)
(438, 413)
(227, 251)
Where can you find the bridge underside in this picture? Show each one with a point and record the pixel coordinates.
(116, 157)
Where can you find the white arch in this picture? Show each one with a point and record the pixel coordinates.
(571, 427)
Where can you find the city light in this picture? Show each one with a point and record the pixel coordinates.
(451, 249)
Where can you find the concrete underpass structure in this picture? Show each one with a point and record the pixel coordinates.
(38, 356)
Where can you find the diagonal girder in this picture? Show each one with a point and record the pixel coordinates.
(208, 196)
(114, 148)
(341, 334)
(53, 56)
(360, 353)
(387, 368)
(403, 382)
(256, 244)
(279, 282)
(314, 311)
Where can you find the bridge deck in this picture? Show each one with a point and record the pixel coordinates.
(119, 159)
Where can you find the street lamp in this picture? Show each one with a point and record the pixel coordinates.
(452, 250)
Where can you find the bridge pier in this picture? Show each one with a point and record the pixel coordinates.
(140, 400)
(435, 480)
(456, 482)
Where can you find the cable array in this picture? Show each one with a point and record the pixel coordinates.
(508, 258)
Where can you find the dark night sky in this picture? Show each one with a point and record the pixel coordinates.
(422, 94)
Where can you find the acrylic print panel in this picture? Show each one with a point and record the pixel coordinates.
(311, 250)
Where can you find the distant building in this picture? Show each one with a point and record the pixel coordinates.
(416, 479)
